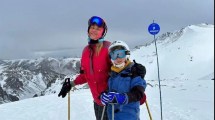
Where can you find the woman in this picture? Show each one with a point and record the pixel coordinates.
(95, 65)
(125, 88)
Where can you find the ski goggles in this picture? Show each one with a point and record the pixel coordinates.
(96, 20)
(118, 54)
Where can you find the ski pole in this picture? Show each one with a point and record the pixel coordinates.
(69, 106)
(147, 106)
(103, 112)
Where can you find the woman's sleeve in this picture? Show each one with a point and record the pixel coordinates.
(81, 79)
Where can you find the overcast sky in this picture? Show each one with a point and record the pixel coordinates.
(56, 28)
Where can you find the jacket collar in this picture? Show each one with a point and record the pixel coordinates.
(118, 70)
(90, 41)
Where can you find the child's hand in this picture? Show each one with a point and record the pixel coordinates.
(118, 98)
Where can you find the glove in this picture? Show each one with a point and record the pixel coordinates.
(104, 98)
(118, 98)
(67, 85)
(138, 70)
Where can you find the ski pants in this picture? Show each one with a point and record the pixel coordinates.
(98, 112)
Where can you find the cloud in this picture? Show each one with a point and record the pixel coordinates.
(27, 27)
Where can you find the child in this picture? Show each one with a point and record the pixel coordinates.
(124, 90)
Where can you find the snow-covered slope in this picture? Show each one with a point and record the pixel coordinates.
(186, 60)
(194, 102)
(187, 53)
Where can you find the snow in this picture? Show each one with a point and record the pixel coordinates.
(2, 82)
(1, 69)
(189, 103)
(49, 107)
(196, 43)
(186, 67)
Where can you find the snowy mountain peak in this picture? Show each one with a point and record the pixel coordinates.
(24, 78)
(189, 51)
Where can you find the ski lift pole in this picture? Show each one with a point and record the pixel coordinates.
(69, 106)
(154, 29)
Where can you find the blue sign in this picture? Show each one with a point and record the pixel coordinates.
(154, 28)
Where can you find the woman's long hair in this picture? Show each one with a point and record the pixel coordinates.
(98, 48)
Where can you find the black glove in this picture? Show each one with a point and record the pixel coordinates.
(138, 70)
(67, 85)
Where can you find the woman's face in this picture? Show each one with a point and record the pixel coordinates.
(119, 61)
(95, 32)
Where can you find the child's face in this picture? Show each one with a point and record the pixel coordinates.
(119, 61)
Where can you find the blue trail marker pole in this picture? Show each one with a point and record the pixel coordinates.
(154, 29)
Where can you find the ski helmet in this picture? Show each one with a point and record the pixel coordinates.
(95, 20)
(119, 44)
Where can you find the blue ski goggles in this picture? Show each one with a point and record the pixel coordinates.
(96, 20)
(118, 54)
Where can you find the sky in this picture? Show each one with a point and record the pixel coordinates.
(53, 28)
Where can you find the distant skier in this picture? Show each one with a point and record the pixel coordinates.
(95, 64)
(126, 87)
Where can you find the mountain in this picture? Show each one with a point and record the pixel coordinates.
(186, 59)
(20, 79)
(186, 53)
(1, 62)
